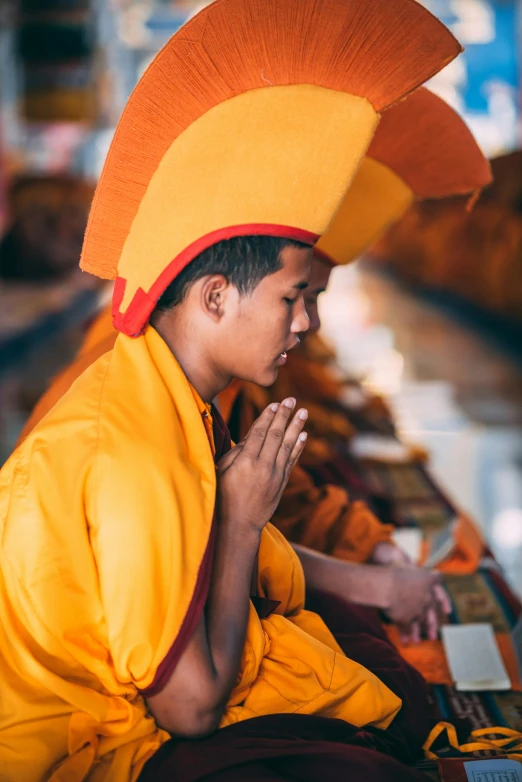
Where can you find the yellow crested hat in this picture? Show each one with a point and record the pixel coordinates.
(421, 149)
(239, 126)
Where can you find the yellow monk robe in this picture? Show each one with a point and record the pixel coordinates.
(322, 518)
(105, 533)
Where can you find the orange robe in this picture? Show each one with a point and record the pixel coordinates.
(311, 367)
(107, 538)
(322, 518)
(313, 387)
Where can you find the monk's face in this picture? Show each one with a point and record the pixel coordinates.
(264, 325)
(319, 276)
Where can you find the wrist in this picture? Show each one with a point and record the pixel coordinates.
(370, 585)
(242, 530)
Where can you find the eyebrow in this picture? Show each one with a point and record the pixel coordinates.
(301, 285)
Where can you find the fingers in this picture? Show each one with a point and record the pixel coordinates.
(273, 439)
(296, 453)
(277, 432)
(437, 609)
(416, 633)
(229, 458)
(443, 599)
(427, 627)
(293, 442)
(431, 610)
(432, 624)
(254, 440)
(410, 633)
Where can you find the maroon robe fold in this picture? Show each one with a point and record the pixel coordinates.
(295, 747)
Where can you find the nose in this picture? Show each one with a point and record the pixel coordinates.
(313, 316)
(301, 321)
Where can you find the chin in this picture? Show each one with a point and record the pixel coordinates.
(266, 378)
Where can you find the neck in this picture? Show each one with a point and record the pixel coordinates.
(198, 368)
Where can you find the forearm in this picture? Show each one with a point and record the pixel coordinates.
(363, 584)
(251, 478)
(229, 602)
(195, 697)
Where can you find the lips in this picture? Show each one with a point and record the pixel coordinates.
(294, 344)
(282, 357)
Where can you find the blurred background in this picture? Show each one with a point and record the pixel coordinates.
(432, 317)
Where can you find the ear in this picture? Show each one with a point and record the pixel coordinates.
(214, 290)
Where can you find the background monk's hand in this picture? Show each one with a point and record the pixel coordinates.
(387, 553)
(252, 476)
(418, 604)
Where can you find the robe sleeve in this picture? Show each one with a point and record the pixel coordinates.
(152, 540)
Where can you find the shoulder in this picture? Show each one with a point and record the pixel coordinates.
(72, 419)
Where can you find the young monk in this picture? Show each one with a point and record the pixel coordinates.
(396, 170)
(128, 560)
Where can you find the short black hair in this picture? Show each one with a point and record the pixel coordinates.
(243, 260)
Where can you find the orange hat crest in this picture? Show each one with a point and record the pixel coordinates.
(239, 126)
(421, 149)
